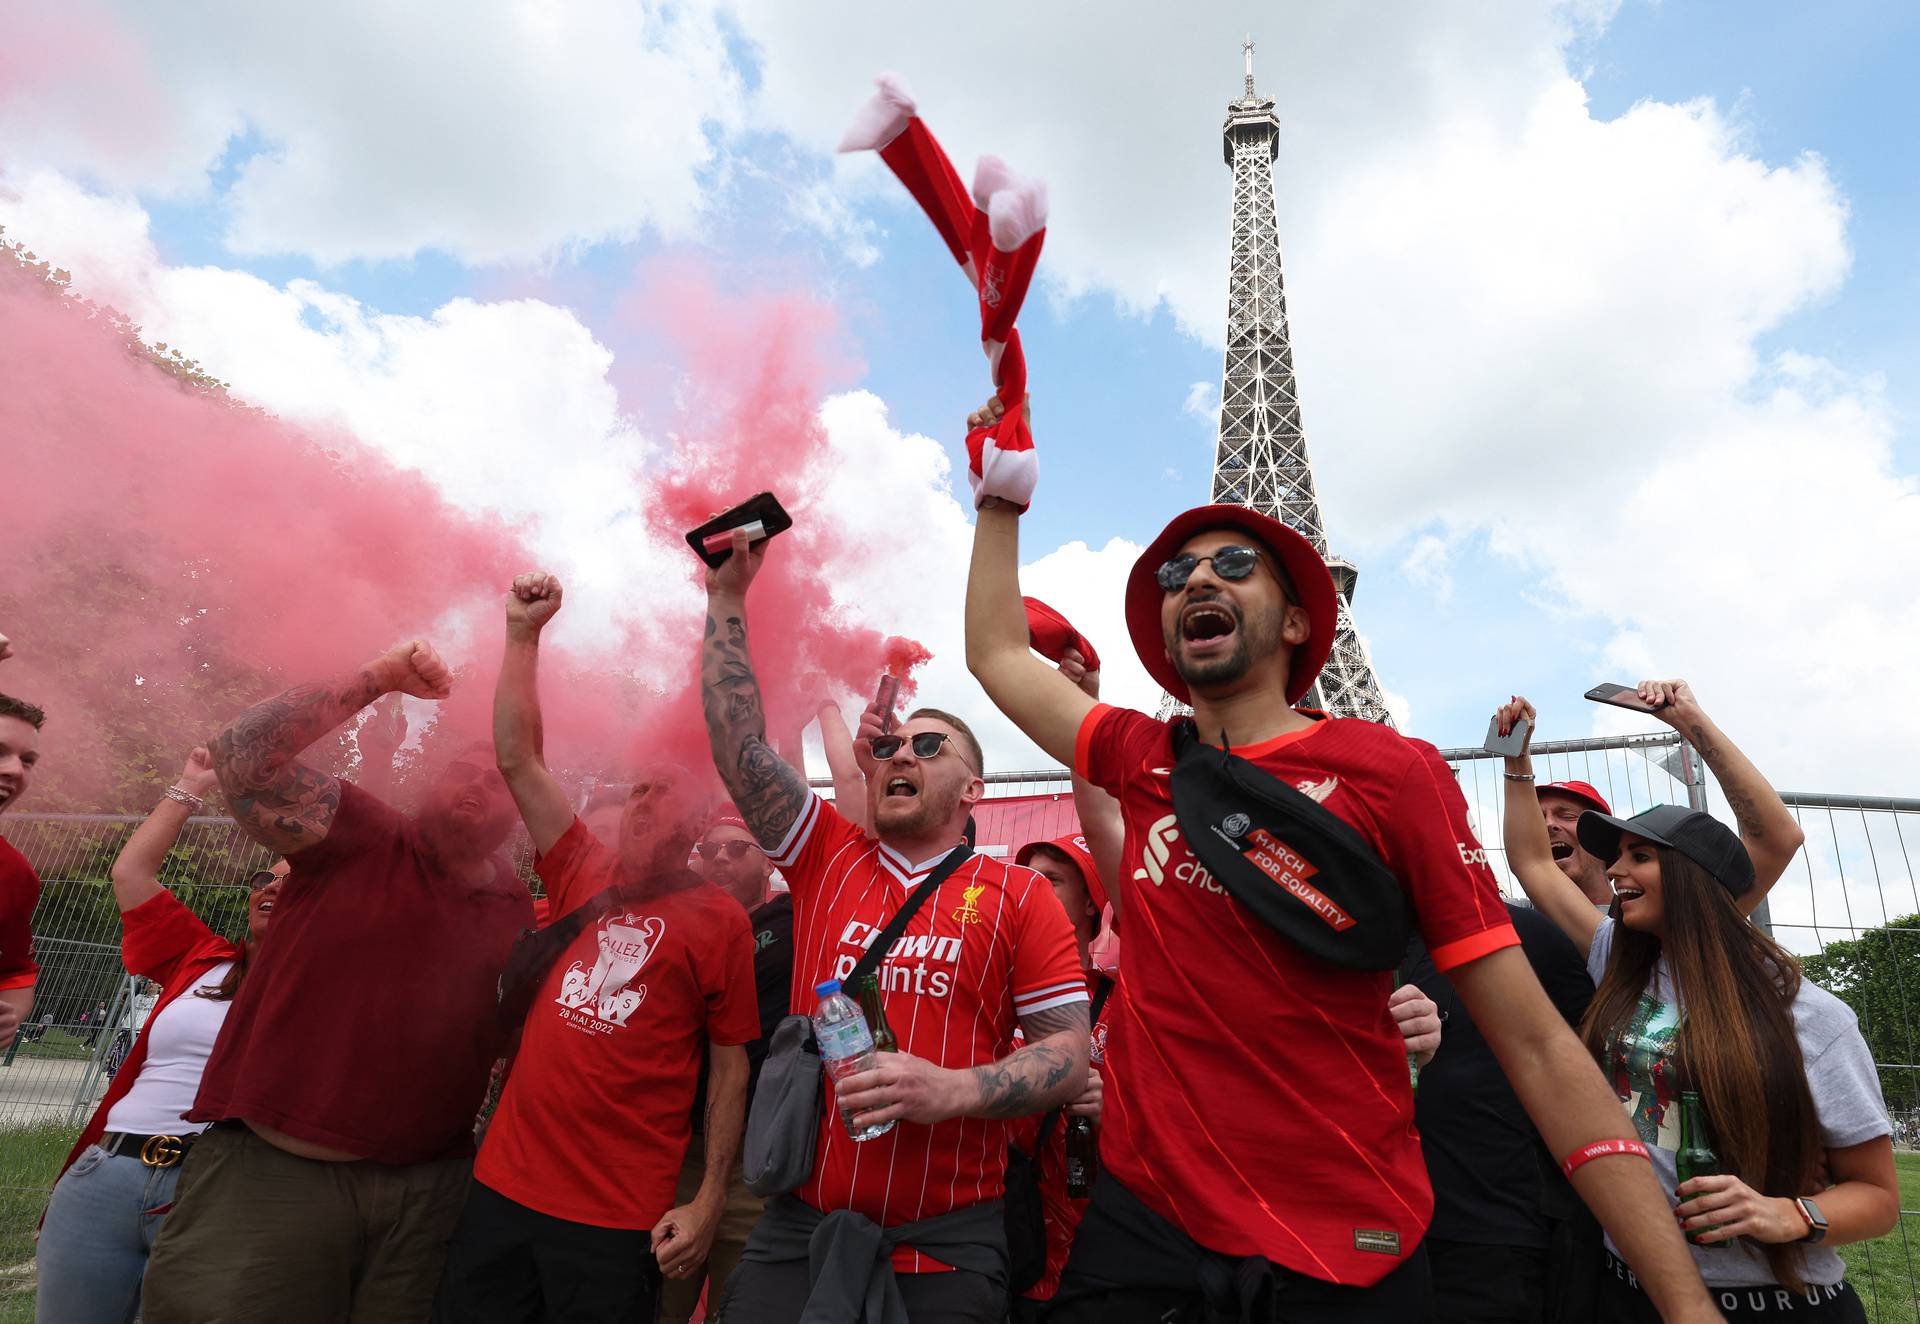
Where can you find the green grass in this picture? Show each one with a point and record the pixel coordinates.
(1886, 1272)
(56, 1043)
(29, 1159)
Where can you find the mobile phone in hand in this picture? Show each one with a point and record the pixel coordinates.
(761, 515)
(1621, 696)
(1513, 744)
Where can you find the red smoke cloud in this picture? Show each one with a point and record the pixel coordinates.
(172, 557)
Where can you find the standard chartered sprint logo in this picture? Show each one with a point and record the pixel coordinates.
(1156, 859)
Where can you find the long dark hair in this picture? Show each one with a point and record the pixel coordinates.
(230, 982)
(1736, 1043)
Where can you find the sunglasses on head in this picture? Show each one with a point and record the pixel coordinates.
(925, 745)
(733, 850)
(1232, 563)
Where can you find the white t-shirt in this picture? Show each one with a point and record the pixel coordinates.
(1840, 1075)
(179, 1040)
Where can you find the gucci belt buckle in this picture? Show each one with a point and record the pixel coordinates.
(161, 1151)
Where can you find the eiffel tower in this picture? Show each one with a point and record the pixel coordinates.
(1261, 459)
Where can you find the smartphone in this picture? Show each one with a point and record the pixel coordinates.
(1511, 744)
(761, 516)
(1620, 696)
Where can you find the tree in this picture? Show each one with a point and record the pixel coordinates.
(1878, 975)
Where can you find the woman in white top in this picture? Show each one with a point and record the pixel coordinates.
(1692, 999)
(118, 1182)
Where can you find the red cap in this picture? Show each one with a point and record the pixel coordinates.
(1051, 634)
(724, 818)
(1312, 586)
(1579, 791)
(1074, 848)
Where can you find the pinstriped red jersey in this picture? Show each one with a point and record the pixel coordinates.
(1257, 1096)
(990, 946)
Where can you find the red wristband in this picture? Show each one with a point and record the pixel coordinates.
(1600, 1149)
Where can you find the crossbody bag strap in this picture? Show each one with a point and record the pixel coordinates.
(877, 950)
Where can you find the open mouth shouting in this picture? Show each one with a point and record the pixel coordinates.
(1562, 850)
(1207, 628)
(898, 787)
(1627, 894)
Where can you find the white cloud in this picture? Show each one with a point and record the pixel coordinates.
(1203, 402)
(1429, 562)
(492, 131)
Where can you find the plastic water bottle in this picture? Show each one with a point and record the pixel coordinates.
(846, 1046)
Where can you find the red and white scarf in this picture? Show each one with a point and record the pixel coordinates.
(994, 234)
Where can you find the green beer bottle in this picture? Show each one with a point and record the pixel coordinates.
(1695, 1157)
(876, 1014)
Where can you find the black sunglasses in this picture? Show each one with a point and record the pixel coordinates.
(733, 850)
(926, 745)
(260, 878)
(1232, 563)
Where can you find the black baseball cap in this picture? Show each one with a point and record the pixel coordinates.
(1700, 837)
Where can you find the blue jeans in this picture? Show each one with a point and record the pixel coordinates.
(101, 1223)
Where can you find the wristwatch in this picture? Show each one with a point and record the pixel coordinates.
(1816, 1221)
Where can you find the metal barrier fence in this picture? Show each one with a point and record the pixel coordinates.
(1849, 904)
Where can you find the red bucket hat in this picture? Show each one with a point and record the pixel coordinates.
(1074, 848)
(1312, 587)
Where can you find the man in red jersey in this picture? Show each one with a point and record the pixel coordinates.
(989, 951)
(1257, 1152)
(19, 885)
(651, 972)
(343, 1086)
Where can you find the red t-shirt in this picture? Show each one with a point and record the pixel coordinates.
(1060, 1213)
(19, 894)
(990, 946)
(1257, 1096)
(368, 1022)
(593, 1124)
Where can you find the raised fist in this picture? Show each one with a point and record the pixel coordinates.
(198, 777)
(533, 600)
(1074, 667)
(412, 668)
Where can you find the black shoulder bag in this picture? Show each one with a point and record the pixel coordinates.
(783, 1122)
(1300, 868)
(1026, 1217)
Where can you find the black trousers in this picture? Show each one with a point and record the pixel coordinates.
(759, 1293)
(508, 1264)
(1622, 1301)
(1475, 1284)
(1130, 1266)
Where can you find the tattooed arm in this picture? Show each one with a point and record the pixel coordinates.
(1768, 828)
(768, 791)
(280, 802)
(1048, 1071)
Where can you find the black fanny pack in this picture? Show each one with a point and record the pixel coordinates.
(1302, 870)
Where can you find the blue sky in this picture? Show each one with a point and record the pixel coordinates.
(1484, 569)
